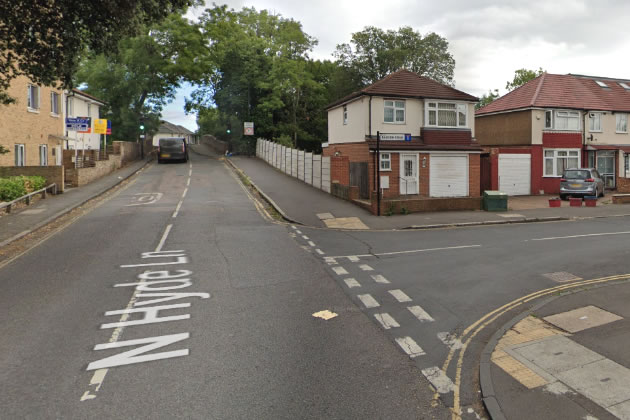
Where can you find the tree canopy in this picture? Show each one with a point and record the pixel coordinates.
(522, 76)
(375, 53)
(44, 39)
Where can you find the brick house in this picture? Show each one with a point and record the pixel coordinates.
(427, 144)
(551, 123)
(32, 127)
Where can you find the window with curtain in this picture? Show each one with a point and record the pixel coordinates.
(622, 123)
(557, 160)
(595, 121)
(446, 114)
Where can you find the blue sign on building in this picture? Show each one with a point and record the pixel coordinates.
(407, 137)
(78, 124)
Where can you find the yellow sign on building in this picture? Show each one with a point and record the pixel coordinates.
(100, 126)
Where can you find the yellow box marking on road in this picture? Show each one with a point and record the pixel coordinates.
(345, 223)
(528, 330)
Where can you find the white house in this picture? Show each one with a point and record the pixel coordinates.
(168, 129)
(81, 104)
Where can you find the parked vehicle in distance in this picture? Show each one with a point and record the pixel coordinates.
(581, 182)
(172, 148)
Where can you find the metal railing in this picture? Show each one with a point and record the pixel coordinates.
(27, 197)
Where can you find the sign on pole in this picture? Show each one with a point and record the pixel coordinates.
(109, 127)
(248, 128)
(100, 126)
(80, 124)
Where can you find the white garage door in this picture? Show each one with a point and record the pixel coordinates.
(448, 176)
(515, 173)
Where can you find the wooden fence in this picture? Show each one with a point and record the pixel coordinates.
(308, 167)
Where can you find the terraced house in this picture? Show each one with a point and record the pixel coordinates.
(551, 123)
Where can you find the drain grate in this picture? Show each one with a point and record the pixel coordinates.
(562, 277)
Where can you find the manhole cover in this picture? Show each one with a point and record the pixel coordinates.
(562, 277)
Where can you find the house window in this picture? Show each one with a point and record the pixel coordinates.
(386, 161)
(595, 121)
(562, 120)
(54, 103)
(20, 155)
(626, 165)
(345, 115)
(89, 106)
(446, 114)
(557, 160)
(33, 97)
(43, 155)
(70, 107)
(622, 123)
(590, 155)
(394, 111)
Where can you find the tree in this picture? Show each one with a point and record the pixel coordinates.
(375, 53)
(143, 74)
(486, 98)
(522, 76)
(43, 39)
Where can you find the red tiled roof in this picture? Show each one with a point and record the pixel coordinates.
(87, 95)
(406, 84)
(564, 91)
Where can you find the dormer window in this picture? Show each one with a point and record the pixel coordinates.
(601, 84)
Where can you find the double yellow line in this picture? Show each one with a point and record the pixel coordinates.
(471, 331)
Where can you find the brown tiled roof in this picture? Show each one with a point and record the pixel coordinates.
(87, 95)
(406, 84)
(564, 91)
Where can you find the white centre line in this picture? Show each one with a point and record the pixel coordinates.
(366, 267)
(580, 236)
(379, 278)
(311, 243)
(188, 182)
(351, 282)
(410, 347)
(306, 238)
(185, 192)
(299, 232)
(368, 301)
(412, 251)
(400, 295)
(420, 313)
(340, 270)
(319, 251)
(386, 321)
(190, 172)
(179, 205)
(99, 375)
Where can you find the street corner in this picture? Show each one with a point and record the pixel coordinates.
(550, 362)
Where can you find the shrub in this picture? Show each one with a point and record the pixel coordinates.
(12, 188)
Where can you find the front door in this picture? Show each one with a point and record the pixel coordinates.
(408, 174)
(606, 167)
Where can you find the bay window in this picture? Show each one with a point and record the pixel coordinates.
(446, 114)
(557, 160)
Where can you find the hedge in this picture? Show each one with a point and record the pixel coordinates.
(18, 186)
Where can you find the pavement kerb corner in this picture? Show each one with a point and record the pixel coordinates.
(265, 196)
(69, 209)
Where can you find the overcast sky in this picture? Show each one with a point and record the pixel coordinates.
(488, 39)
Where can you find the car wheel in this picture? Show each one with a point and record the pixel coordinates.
(563, 197)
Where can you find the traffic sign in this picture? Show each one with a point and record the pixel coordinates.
(100, 126)
(248, 128)
(78, 124)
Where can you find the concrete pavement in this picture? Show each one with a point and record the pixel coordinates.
(303, 203)
(28, 219)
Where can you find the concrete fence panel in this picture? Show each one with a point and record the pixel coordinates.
(287, 160)
(294, 163)
(301, 165)
(326, 173)
(308, 168)
(317, 171)
(279, 155)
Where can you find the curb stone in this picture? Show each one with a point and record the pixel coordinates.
(68, 209)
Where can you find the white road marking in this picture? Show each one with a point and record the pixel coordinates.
(319, 251)
(438, 379)
(164, 236)
(176, 212)
(299, 232)
(339, 270)
(145, 198)
(580, 236)
(366, 267)
(413, 251)
(351, 282)
(311, 243)
(379, 278)
(353, 258)
(185, 192)
(293, 227)
(306, 238)
(400, 295)
(420, 313)
(450, 340)
(190, 172)
(368, 301)
(409, 346)
(330, 260)
(188, 182)
(386, 321)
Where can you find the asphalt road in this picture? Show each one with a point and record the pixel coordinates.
(176, 298)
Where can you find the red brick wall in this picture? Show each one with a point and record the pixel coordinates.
(356, 152)
(340, 170)
(424, 174)
(445, 136)
(474, 175)
(568, 140)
